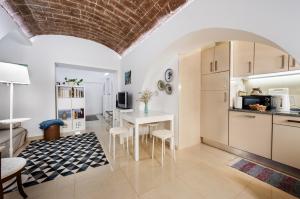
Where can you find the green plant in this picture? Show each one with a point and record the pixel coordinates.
(75, 81)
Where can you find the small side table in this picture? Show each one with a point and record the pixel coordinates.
(52, 133)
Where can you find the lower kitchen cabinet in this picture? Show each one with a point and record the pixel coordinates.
(286, 140)
(251, 132)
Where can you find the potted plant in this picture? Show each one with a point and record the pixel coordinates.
(73, 82)
(145, 97)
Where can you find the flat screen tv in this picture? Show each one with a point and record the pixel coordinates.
(123, 100)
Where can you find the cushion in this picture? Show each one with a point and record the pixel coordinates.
(4, 126)
(4, 134)
(46, 124)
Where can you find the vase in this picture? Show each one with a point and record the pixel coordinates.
(146, 108)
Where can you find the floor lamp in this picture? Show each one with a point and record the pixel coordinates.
(13, 74)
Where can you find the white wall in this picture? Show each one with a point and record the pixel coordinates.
(203, 21)
(37, 100)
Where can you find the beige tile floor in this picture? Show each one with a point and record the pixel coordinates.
(199, 172)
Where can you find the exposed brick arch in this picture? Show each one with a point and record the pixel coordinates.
(114, 23)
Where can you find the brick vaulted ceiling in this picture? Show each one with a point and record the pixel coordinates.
(113, 23)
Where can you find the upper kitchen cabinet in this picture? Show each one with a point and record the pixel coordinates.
(243, 58)
(293, 64)
(268, 59)
(222, 57)
(215, 82)
(216, 59)
(207, 60)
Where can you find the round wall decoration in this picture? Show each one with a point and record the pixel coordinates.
(169, 75)
(161, 85)
(169, 89)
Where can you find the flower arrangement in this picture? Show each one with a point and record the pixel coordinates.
(145, 97)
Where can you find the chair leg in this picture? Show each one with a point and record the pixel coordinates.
(114, 146)
(162, 153)
(164, 147)
(1, 191)
(20, 186)
(173, 144)
(127, 144)
(146, 138)
(153, 140)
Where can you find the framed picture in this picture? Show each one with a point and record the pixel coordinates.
(128, 77)
(169, 75)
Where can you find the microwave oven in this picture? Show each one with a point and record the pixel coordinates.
(265, 100)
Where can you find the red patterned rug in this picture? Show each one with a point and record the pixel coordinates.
(285, 183)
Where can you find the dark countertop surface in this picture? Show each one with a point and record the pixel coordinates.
(271, 112)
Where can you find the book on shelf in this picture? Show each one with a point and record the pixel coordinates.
(70, 92)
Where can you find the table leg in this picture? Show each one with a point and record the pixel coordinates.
(136, 143)
(121, 136)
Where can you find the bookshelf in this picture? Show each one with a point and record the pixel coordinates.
(70, 107)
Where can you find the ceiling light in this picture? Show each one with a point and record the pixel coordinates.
(105, 74)
(286, 73)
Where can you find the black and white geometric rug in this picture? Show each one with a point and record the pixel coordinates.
(48, 160)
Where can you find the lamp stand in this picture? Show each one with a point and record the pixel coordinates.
(11, 110)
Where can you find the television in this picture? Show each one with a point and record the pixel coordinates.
(123, 100)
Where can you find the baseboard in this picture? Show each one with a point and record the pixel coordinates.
(254, 158)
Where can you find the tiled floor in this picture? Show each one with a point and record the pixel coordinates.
(199, 172)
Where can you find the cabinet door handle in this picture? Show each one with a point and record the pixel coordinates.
(293, 121)
(216, 65)
(211, 67)
(225, 96)
(282, 61)
(250, 66)
(250, 116)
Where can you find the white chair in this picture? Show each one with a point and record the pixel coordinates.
(146, 130)
(164, 135)
(125, 132)
(152, 127)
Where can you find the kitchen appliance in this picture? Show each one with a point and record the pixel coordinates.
(238, 102)
(265, 100)
(280, 99)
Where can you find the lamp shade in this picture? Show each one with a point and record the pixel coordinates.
(14, 73)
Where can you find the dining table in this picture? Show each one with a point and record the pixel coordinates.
(138, 118)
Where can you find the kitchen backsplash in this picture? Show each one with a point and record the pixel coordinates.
(292, 82)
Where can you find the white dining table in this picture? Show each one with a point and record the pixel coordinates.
(137, 118)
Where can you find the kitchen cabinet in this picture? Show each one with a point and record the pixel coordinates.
(216, 81)
(251, 132)
(207, 60)
(189, 100)
(214, 107)
(216, 59)
(286, 139)
(243, 58)
(214, 116)
(268, 59)
(293, 64)
(222, 57)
